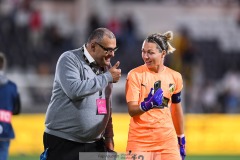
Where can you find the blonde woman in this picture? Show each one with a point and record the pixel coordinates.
(156, 129)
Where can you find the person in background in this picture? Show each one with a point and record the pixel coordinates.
(153, 95)
(79, 115)
(9, 105)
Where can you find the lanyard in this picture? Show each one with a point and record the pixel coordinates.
(100, 94)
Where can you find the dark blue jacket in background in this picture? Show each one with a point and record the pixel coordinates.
(9, 103)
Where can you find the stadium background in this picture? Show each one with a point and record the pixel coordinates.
(33, 33)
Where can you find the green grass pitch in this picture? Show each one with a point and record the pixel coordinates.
(23, 157)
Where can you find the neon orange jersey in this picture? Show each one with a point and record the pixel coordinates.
(153, 130)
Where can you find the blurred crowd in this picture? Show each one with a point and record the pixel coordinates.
(210, 74)
(210, 87)
(29, 44)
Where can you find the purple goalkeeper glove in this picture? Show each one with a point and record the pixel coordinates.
(154, 100)
(150, 94)
(182, 142)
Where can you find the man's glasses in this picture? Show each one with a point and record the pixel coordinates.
(107, 50)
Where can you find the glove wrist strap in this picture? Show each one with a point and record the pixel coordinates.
(181, 135)
(142, 106)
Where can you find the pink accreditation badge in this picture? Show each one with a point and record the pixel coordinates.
(101, 106)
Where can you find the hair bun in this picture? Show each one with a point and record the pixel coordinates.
(168, 35)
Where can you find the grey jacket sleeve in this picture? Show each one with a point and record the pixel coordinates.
(73, 83)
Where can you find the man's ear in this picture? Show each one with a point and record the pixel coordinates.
(93, 47)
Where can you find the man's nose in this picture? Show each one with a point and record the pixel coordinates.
(112, 53)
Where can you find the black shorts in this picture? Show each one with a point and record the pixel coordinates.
(62, 149)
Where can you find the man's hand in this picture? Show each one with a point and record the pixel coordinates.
(109, 143)
(116, 73)
(182, 142)
(155, 100)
